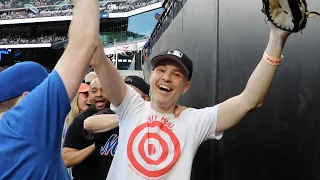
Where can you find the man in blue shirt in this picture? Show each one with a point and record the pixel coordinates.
(33, 104)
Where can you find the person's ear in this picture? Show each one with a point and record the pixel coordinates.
(21, 97)
(24, 94)
(186, 87)
(150, 76)
(145, 97)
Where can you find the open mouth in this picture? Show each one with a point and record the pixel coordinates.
(88, 104)
(100, 103)
(164, 88)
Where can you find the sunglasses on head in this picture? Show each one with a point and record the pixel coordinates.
(83, 81)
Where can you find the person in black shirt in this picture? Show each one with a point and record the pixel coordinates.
(78, 151)
(106, 143)
(105, 146)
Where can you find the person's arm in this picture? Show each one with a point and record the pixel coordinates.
(72, 157)
(112, 82)
(101, 123)
(234, 109)
(83, 33)
(76, 148)
(105, 122)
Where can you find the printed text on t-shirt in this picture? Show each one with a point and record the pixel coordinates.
(164, 120)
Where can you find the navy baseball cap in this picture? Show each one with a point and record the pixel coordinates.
(138, 82)
(177, 56)
(19, 78)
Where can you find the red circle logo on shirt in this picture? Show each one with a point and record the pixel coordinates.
(153, 149)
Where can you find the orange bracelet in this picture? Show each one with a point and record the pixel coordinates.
(272, 60)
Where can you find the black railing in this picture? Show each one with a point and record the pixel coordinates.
(172, 8)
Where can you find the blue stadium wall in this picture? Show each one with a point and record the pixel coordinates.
(226, 40)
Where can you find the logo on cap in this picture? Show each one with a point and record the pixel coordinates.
(128, 80)
(175, 53)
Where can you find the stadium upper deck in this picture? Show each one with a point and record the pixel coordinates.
(19, 15)
(32, 11)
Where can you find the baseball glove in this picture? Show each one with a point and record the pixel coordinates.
(288, 15)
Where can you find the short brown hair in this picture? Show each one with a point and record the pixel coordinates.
(8, 104)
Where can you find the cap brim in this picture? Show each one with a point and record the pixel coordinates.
(83, 88)
(155, 61)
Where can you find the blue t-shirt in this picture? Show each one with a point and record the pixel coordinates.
(30, 133)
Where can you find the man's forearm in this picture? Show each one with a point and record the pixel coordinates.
(112, 82)
(72, 157)
(231, 111)
(101, 123)
(261, 79)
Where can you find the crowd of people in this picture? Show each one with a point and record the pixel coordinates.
(129, 6)
(17, 39)
(53, 10)
(48, 38)
(13, 4)
(24, 14)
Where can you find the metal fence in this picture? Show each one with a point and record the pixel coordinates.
(172, 8)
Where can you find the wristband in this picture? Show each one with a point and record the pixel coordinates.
(272, 60)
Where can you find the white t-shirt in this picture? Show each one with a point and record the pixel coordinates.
(154, 146)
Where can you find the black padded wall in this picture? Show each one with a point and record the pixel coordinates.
(226, 40)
